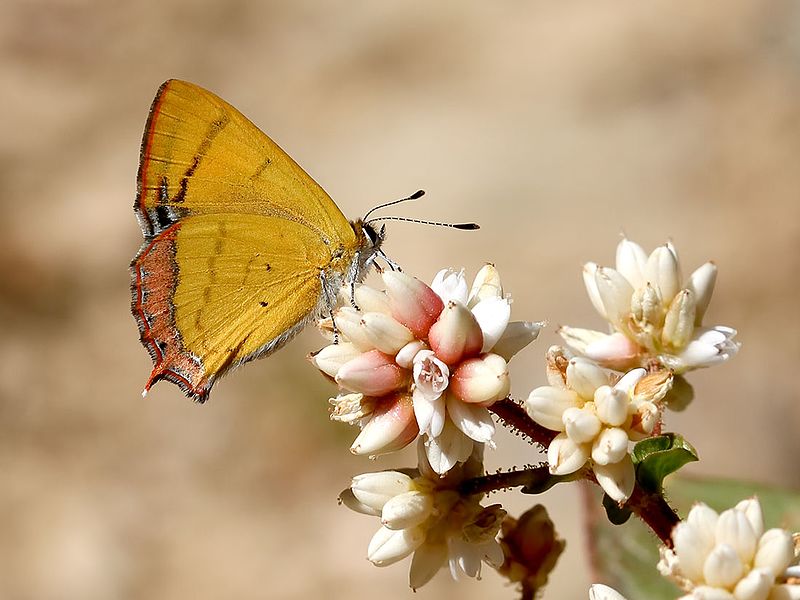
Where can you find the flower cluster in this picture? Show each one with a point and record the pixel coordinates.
(652, 315)
(428, 360)
(597, 414)
(729, 556)
(425, 514)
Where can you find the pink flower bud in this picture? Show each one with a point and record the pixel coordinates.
(413, 303)
(483, 380)
(456, 335)
(392, 427)
(372, 373)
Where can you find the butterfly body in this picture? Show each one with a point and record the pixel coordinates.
(241, 247)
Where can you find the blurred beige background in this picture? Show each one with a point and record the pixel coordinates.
(556, 125)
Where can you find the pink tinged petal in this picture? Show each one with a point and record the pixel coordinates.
(611, 405)
(482, 380)
(616, 479)
(428, 559)
(517, 335)
(589, 273)
(615, 293)
(692, 546)
(331, 358)
(429, 413)
(376, 489)
(546, 406)
(431, 375)
(616, 351)
(580, 339)
(405, 357)
(723, 567)
(565, 456)
(701, 282)
(486, 285)
(751, 507)
(581, 425)
(391, 427)
(448, 449)
(450, 284)
(733, 529)
(492, 315)
(456, 335)
(384, 333)
(474, 421)
(368, 299)
(599, 591)
(663, 272)
(584, 376)
(407, 510)
(679, 322)
(611, 446)
(372, 373)
(413, 303)
(348, 322)
(754, 586)
(775, 551)
(631, 262)
(388, 546)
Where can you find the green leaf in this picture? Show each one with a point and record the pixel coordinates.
(625, 556)
(657, 457)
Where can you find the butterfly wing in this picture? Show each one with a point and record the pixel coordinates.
(236, 287)
(202, 156)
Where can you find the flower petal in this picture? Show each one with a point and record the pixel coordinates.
(474, 421)
(517, 335)
(492, 314)
(565, 456)
(388, 546)
(616, 479)
(546, 406)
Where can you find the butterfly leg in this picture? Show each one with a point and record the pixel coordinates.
(331, 304)
(392, 265)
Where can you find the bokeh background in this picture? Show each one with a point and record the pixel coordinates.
(556, 125)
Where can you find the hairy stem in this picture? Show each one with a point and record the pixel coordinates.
(514, 416)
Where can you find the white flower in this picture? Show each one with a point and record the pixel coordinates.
(597, 417)
(424, 514)
(437, 356)
(598, 591)
(651, 314)
(729, 555)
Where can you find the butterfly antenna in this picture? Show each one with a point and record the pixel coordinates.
(415, 196)
(463, 226)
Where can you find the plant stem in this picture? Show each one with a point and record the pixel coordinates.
(515, 417)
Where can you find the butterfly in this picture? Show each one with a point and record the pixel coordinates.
(241, 247)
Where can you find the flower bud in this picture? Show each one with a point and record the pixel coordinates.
(647, 309)
(405, 357)
(775, 551)
(733, 529)
(756, 584)
(481, 380)
(751, 507)
(585, 376)
(581, 425)
(611, 446)
(679, 322)
(368, 299)
(376, 489)
(589, 272)
(413, 303)
(450, 285)
(565, 456)
(372, 373)
(616, 351)
(611, 405)
(547, 404)
(616, 479)
(391, 427)
(723, 567)
(456, 334)
(407, 510)
(486, 285)
(384, 333)
(662, 271)
(389, 546)
(631, 261)
(348, 321)
(331, 358)
(701, 282)
(615, 293)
